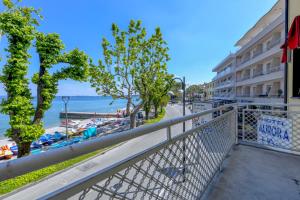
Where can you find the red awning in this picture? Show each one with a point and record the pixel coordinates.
(293, 40)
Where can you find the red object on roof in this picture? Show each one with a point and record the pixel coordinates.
(293, 40)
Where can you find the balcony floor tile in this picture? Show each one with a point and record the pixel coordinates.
(256, 174)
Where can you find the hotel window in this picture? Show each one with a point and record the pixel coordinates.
(296, 72)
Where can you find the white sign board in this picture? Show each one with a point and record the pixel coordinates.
(274, 131)
(199, 107)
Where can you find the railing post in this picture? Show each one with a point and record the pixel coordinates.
(243, 134)
(169, 137)
(236, 125)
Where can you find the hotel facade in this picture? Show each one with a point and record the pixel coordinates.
(255, 72)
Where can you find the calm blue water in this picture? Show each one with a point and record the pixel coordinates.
(76, 104)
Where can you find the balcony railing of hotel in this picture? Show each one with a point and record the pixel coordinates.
(257, 52)
(260, 51)
(243, 95)
(223, 95)
(258, 73)
(274, 69)
(181, 166)
(224, 83)
(273, 43)
(270, 95)
(243, 78)
(246, 59)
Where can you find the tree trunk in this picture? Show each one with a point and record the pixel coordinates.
(23, 149)
(128, 106)
(132, 120)
(39, 113)
(156, 111)
(147, 110)
(133, 115)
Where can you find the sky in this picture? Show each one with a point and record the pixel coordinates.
(199, 33)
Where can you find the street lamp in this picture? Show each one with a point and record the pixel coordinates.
(66, 101)
(183, 87)
(183, 125)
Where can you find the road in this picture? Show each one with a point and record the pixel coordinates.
(97, 163)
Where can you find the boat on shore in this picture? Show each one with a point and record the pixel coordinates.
(81, 131)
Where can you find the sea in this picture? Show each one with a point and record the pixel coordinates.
(102, 104)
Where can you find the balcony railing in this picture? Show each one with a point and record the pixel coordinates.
(181, 166)
(257, 52)
(273, 43)
(274, 69)
(246, 77)
(258, 73)
(246, 59)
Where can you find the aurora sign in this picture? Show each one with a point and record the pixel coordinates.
(274, 131)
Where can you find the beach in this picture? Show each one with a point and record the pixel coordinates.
(51, 120)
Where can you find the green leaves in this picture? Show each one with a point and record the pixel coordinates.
(18, 24)
(133, 64)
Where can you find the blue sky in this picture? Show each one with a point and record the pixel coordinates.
(200, 33)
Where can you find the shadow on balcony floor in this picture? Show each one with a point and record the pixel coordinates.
(251, 173)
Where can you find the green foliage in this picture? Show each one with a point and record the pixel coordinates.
(49, 48)
(160, 116)
(20, 181)
(115, 75)
(194, 89)
(18, 24)
(132, 65)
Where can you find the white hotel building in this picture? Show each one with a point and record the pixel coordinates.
(255, 73)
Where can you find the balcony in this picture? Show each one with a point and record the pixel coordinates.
(273, 69)
(245, 77)
(274, 48)
(223, 74)
(227, 157)
(225, 84)
(258, 73)
(246, 59)
(257, 52)
(265, 77)
(273, 43)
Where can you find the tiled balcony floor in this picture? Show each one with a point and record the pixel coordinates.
(251, 173)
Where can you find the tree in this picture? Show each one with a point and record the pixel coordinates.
(116, 75)
(49, 47)
(18, 24)
(194, 90)
(153, 75)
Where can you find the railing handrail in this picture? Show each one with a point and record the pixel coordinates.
(13, 168)
(81, 184)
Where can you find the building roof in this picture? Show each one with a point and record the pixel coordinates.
(262, 23)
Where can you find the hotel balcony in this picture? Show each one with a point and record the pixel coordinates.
(224, 96)
(223, 74)
(257, 52)
(243, 78)
(230, 156)
(273, 73)
(274, 48)
(273, 43)
(226, 84)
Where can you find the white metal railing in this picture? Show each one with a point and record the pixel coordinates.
(271, 126)
(181, 167)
